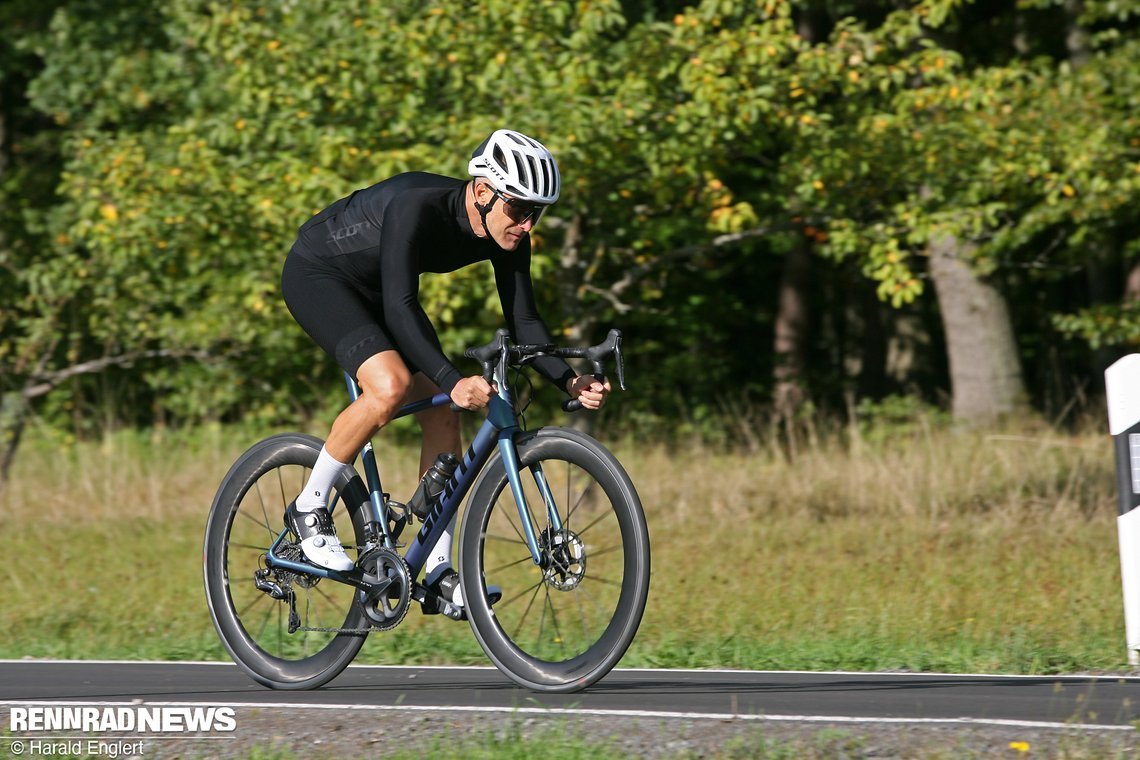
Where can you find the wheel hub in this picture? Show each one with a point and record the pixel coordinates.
(564, 558)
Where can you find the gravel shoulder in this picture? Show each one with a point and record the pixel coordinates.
(346, 734)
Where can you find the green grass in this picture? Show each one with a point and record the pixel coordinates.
(932, 550)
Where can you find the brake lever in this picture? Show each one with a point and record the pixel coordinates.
(610, 347)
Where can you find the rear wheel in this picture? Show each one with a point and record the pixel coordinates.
(564, 623)
(254, 623)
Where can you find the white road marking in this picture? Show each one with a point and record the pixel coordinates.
(579, 712)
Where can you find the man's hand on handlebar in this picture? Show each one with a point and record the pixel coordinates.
(472, 392)
(588, 390)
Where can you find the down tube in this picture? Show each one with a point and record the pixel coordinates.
(453, 494)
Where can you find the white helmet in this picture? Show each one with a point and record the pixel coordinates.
(518, 166)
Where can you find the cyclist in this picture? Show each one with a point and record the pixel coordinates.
(351, 280)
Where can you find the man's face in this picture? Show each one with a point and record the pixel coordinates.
(509, 221)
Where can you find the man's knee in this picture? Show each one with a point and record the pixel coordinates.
(384, 382)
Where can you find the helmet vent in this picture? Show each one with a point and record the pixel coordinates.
(522, 175)
(533, 172)
(545, 178)
(500, 158)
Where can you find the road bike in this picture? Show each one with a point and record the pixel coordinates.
(553, 547)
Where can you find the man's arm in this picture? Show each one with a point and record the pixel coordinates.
(400, 285)
(516, 294)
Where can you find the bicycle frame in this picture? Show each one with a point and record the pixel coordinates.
(498, 430)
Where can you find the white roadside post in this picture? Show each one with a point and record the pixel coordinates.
(1122, 386)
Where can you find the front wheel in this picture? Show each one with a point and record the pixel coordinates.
(287, 630)
(563, 623)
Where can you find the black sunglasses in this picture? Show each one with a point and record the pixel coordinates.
(519, 212)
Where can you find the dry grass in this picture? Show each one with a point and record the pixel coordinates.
(931, 550)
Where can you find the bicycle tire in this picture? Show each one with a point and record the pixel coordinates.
(303, 660)
(559, 660)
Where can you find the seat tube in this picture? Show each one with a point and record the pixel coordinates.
(371, 470)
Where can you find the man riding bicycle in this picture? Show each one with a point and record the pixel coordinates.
(351, 280)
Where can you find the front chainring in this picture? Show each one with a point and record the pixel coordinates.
(387, 600)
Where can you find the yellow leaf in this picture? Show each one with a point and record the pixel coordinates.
(109, 212)
(1069, 191)
(273, 44)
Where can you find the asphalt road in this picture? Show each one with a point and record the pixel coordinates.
(1102, 702)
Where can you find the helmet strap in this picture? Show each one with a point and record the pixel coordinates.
(483, 208)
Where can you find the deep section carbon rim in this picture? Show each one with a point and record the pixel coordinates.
(563, 623)
(255, 624)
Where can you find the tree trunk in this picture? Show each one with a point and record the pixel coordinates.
(985, 374)
(793, 311)
(872, 381)
(791, 333)
(1076, 38)
(1132, 284)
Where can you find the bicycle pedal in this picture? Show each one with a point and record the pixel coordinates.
(432, 603)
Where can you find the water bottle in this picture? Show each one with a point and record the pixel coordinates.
(432, 484)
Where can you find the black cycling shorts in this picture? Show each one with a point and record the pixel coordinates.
(343, 317)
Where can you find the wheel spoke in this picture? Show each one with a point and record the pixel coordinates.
(260, 596)
(526, 612)
(255, 521)
(554, 622)
(582, 613)
(581, 497)
(519, 595)
(264, 513)
(603, 552)
(248, 546)
(597, 520)
(606, 581)
(505, 539)
(510, 564)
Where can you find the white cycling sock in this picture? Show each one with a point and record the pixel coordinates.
(439, 559)
(315, 494)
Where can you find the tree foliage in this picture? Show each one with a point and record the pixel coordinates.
(700, 143)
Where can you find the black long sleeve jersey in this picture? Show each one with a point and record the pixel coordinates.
(385, 236)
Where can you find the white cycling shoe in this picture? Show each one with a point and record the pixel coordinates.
(319, 543)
